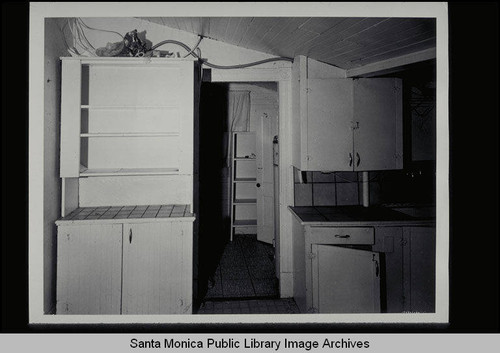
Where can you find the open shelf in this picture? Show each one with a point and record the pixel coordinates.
(245, 202)
(84, 172)
(245, 180)
(121, 107)
(129, 134)
(244, 222)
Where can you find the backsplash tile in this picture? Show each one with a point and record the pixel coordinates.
(324, 194)
(415, 184)
(303, 195)
(347, 177)
(347, 194)
(320, 177)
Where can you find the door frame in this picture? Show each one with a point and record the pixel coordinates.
(283, 77)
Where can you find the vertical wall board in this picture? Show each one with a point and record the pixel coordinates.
(300, 265)
(70, 118)
(423, 269)
(186, 107)
(398, 116)
(69, 192)
(89, 269)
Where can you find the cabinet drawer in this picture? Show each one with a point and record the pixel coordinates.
(347, 235)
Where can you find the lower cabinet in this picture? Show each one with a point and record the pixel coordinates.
(409, 264)
(124, 268)
(364, 269)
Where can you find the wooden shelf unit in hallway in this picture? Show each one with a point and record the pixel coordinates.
(243, 182)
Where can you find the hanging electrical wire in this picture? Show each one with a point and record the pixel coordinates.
(130, 45)
(214, 66)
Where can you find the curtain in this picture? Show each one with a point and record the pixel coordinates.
(239, 117)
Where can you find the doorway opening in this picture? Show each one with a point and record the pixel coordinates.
(238, 189)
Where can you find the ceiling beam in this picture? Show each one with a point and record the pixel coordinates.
(393, 63)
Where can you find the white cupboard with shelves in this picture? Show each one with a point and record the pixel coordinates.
(126, 117)
(125, 237)
(345, 124)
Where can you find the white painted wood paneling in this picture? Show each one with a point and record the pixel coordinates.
(136, 190)
(134, 85)
(69, 195)
(70, 119)
(134, 152)
(153, 119)
(265, 181)
(300, 267)
(345, 42)
(157, 268)
(89, 269)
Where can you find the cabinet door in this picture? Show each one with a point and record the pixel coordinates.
(378, 143)
(345, 280)
(420, 269)
(89, 269)
(157, 268)
(329, 129)
(389, 240)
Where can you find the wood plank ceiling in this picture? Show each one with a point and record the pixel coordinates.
(346, 42)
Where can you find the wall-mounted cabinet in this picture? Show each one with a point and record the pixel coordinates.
(345, 124)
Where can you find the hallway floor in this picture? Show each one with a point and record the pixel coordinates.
(246, 270)
(245, 281)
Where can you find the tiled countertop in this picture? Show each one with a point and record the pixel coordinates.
(354, 216)
(112, 214)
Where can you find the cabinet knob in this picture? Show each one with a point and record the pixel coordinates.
(358, 159)
(130, 236)
(350, 160)
(258, 185)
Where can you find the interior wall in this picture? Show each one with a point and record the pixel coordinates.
(54, 48)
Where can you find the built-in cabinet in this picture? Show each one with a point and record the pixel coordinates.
(364, 269)
(409, 264)
(125, 237)
(345, 124)
(125, 268)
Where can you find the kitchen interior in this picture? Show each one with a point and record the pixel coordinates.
(306, 187)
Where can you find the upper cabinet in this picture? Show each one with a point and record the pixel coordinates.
(345, 124)
(126, 117)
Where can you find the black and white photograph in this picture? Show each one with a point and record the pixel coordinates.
(233, 168)
(224, 176)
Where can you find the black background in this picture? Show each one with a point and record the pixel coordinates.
(473, 35)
